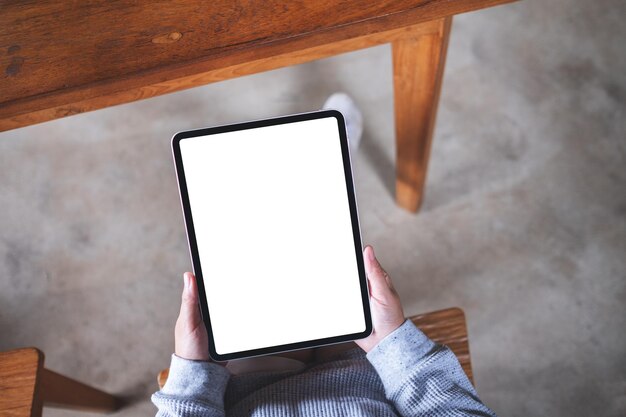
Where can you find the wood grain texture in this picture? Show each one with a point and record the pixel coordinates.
(60, 391)
(250, 67)
(61, 57)
(19, 370)
(26, 386)
(446, 327)
(418, 64)
(162, 377)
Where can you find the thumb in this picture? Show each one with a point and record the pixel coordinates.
(381, 288)
(387, 314)
(189, 312)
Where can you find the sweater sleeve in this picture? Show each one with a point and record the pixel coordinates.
(193, 389)
(423, 378)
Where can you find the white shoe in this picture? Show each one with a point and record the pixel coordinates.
(354, 119)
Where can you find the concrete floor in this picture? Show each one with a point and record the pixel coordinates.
(523, 225)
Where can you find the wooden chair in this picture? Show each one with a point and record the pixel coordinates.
(26, 386)
(446, 327)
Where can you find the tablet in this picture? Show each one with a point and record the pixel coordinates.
(273, 232)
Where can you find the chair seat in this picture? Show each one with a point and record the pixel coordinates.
(26, 386)
(19, 370)
(448, 327)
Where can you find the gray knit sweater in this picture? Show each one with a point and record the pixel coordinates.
(406, 374)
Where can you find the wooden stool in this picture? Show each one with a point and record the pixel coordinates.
(446, 327)
(64, 58)
(26, 386)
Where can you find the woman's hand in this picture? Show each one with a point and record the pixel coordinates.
(191, 340)
(387, 314)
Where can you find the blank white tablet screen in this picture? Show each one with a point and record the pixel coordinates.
(274, 234)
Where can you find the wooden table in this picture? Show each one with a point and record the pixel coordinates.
(60, 58)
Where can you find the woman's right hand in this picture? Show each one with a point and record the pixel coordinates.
(387, 314)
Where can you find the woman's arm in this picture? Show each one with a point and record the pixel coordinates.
(193, 389)
(423, 378)
(420, 377)
(195, 386)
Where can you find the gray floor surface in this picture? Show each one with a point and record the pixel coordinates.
(523, 224)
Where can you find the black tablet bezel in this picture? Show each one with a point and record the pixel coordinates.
(193, 246)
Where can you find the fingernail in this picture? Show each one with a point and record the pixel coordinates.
(187, 281)
(370, 254)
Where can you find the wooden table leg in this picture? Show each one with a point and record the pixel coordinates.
(60, 391)
(418, 63)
